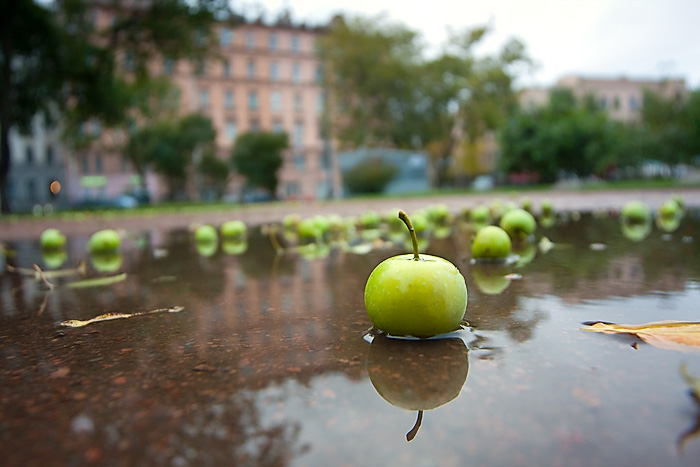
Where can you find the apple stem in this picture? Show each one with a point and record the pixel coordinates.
(416, 426)
(404, 217)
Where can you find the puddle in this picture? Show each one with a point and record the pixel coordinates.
(267, 363)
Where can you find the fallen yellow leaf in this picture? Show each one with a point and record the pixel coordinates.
(673, 335)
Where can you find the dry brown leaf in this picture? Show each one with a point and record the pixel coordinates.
(673, 335)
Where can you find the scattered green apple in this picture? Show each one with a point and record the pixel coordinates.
(415, 295)
(635, 231)
(104, 241)
(52, 239)
(205, 234)
(669, 209)
(546, 208)
(235, 230)
(207, 248)
(231, 247)
(491, 243)
(668, 224)
(309, 231)
(518, 223)
(635, 212)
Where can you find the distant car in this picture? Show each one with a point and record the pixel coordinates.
(483, 183)
(123, 201)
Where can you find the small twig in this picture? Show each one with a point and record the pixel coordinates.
(43, 277)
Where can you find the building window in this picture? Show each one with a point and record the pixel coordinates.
(295, 43)
(128, 61)
(254, 125)
(29, 156)
(633, 103)
(274, 71)
(251, 68)
(84, 164)
(296, 73)
(292, 189)
(253, 100)
(98, 163)
(225, 37)
(227, 68)
(201, 68)
(273, 42)
(249, 39)
(228, 99)
(231, 131)
(297, 102)
(299, 161)
(203, 99)
(320, 102)
(616, 103)
(603, 103)
(276, 101)
(298, 134)
(277, 127)
(49, 155)
(168, 66)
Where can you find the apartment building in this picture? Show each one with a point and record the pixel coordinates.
(260, 77)
(265, 77)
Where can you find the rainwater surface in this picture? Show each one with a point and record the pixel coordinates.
(268, 363)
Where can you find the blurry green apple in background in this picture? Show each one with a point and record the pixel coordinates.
(491, 243)
(668, 224)
(635, 212)
(518, 223)
(546, 208)
(108, 261)
(308, 231)
(669, 209)
(205, 234)
(52, 239)
(415, 295)
(235, 230)
(635, 232)
(417, 375)
(207, 249)
(103, 241)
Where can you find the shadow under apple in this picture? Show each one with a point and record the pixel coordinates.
(417, 374)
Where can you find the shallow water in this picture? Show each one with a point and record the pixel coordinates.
(267, 364)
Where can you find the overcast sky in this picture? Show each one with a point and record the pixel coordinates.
(607, 38)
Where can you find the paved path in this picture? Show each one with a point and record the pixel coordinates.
(272, 212)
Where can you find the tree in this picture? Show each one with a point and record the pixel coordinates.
(565, 135)
(258, 156)
(384, 92)
(216, 173)
(53, 61)
(170, 146)
(370, 176)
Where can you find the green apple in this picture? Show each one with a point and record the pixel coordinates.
(518, 223)
(52, 239)
(480, 216)
(103, 241)
(526, 204)
(635, 231)
(491, 243)
(635, 212)
(370, 220)
(415, 295)
(205, 234)
(439, 214)
(308, 231)
(291, 221)
(235, 230)
(548, 221)
(106, 261)
(546, 208)
(418, 375)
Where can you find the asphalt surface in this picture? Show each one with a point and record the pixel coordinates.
(273, 212)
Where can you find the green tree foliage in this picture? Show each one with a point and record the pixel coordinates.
(369, 176)
(258, 157)
(169, 147)
(670, 127)
(565, 135)
(216, 173)
(385, 92)
(54, 61)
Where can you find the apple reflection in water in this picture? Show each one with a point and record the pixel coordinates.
(417, 374)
